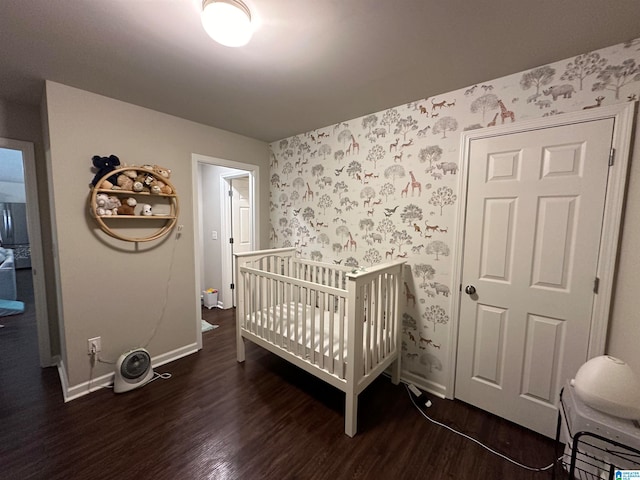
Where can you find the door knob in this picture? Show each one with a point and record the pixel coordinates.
(470, 289)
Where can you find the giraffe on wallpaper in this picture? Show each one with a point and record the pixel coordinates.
(415, 184)
(355, 145)
(504, 113)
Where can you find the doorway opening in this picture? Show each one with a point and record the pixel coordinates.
(225, 194)
(20, 232)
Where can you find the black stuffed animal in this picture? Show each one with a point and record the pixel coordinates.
(104, 165)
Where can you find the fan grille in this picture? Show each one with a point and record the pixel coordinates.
(135, 365)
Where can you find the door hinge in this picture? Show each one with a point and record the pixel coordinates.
(596, 285)
(612, 154)
(232, 286)
(231, 193)
(231, 240)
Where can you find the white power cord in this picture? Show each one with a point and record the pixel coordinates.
(156, 376)
(428, 404)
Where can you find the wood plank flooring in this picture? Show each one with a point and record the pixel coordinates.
(217, 419)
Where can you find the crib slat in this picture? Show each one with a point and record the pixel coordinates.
(321, 309)
(304, 292)
(258, 313)
(377, 328)
(269, 310)
(388, 314)
(368, 327)
(380, 298)
(313, 298)
(296, 321)
(254, 315)
(332, 317)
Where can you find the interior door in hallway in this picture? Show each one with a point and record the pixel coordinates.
(535, 206)
(241, 223)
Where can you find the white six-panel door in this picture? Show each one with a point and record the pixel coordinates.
(535, 205)
(241, 215)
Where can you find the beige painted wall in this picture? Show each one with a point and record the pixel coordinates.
(624, 328)
(117, 289)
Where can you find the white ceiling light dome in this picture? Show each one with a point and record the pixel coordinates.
(228, 22)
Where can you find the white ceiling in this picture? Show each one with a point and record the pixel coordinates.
(311, 63)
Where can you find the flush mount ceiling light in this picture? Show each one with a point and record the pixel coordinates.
(228, 22)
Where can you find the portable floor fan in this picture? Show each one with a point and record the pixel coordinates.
(133, 370)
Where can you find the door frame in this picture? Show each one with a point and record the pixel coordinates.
(35, 245)
(227, 231)
(254, 174)
(623, 115)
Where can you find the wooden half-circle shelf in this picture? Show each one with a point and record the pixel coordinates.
(116, 225)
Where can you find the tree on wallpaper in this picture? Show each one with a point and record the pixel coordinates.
(425, 272)
(411, 213)
(390, 118)
(538, 77)
(584, 66)
(436, 314)
(275, 180)
(386, 227)
(442, 197)
(376, 153)
(395, 171)
(369, 122)
(614, 77)
(437, 248)
(345, 136)
(405, 125)
(431, 154)
(444, 125)
(340, 188)
(484, 104)
(400, 238)
(408, 322)
(372, 256)
(367, 193)
(386, 190)
(354, 168)
(325, 202)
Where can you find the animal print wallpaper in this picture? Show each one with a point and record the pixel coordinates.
(384, 186)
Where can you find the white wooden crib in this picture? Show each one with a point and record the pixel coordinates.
(339, 324)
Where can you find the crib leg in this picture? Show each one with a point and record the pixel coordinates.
(351, 414)
(395, 372)
(240, 348)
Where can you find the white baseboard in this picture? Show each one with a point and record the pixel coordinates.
(426, 385)
(84, 388)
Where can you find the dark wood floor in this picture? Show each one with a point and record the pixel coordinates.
(217, 419)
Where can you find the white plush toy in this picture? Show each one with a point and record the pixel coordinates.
(146, 209)
(107, 205)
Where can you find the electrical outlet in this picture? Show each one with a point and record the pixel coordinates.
(214, 235)
(94, 345)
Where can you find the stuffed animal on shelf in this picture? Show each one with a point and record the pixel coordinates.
(147, 210)
(128, 207)
(126, 179)
(143, 182)
(107, 205)
(103, 166)
(158, 186)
